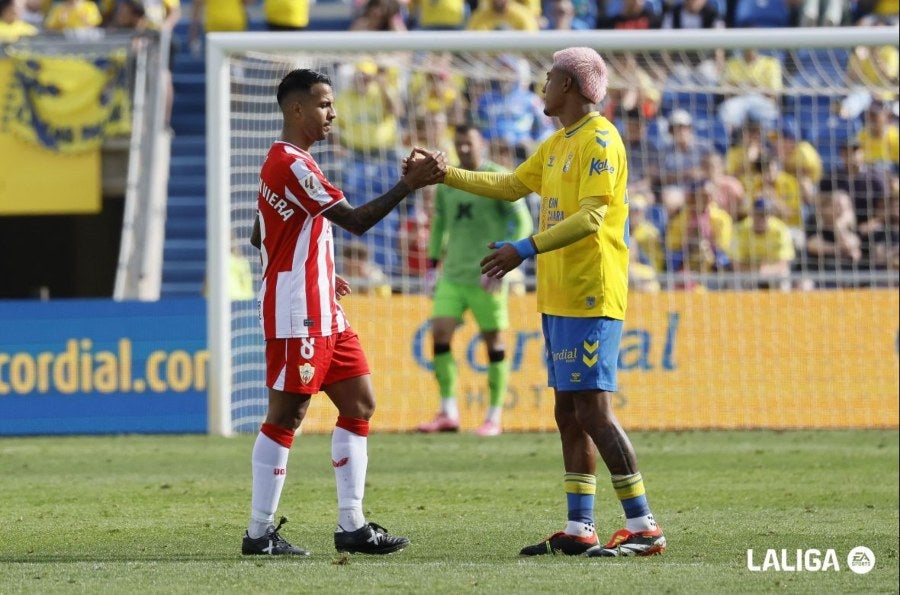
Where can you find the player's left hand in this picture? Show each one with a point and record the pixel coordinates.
(501, 261)
(341, 287)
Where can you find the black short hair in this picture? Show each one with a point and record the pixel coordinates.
(464, 127)
(4, 4)
(302, 79)
(136, 6)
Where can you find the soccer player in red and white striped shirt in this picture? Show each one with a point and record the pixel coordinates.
(309, 343)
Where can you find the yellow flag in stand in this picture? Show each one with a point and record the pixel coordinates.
(68, 104)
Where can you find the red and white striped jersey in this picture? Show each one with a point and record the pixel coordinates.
(297, 296)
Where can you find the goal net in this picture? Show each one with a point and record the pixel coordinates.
(764, 264)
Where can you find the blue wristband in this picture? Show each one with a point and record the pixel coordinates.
(524, 247)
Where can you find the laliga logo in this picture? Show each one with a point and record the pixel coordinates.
(860, 560)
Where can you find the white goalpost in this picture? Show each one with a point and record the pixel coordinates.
(242, 73)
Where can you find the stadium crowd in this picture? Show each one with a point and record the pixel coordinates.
(747, 169)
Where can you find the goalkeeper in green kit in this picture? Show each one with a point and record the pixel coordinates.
(462, 226)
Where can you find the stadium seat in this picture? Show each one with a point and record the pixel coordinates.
(184, 253)
(362, 180)
(614, 7)
(698, 104)
(821, 122)
(656, 132)
(713, 132)
(827, 65)
(657, 215)
(762, 13)
(830, 134)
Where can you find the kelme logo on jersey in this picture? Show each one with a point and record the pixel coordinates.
(307, 372)
(598, 166)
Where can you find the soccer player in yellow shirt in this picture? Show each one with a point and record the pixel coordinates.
(580, 173)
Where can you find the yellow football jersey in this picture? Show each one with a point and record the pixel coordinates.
(773, 246)
(589, 277)
(881, 150)
(80, 15)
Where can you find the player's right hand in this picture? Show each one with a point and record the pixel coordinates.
(423, 168)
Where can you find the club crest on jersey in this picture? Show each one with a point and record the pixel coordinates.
(307, 371)
(567, 164)
(551, 161)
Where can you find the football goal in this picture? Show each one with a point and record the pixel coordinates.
(724, 329)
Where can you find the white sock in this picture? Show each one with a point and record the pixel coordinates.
(640, 523)
(269, 468)
(449, 408)
(580, 529)
(493, 414)
(350, 458)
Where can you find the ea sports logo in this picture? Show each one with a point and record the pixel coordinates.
(861, 560)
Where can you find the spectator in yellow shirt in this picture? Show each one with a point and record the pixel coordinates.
(216, 15)
(748, 143)
(286, 15)
(872, 72)
(879, 138)
(781, 188)
(439, 15)
(12, 27)
(754, 83)
(494, 15)
(874, 67)
(435, 89)
(698, 237)
(799, 157)
(370, 110)
(73, 14)
(878, 12)
(763, 246)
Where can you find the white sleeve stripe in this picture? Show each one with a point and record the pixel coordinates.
(290, 196)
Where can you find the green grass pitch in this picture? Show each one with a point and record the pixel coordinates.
(165, 514)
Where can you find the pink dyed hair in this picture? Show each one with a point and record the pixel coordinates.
(587, 67)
